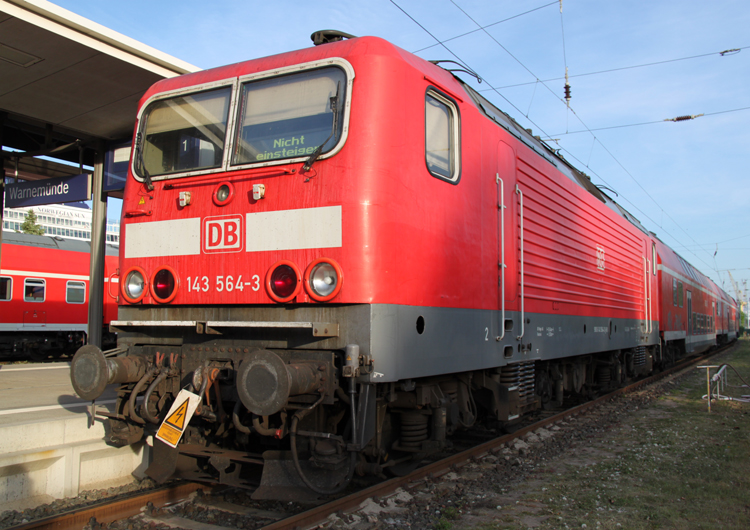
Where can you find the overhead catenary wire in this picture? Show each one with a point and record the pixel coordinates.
(439, 42)
(723, 241)
(544, 132)
(637, 209)
(644, 65)
(506, 50)
(678, 119)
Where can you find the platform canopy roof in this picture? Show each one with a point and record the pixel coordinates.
(65, 78)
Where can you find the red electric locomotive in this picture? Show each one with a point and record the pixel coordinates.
(338, 256)
(44, 286)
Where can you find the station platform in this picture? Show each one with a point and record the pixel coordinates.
(49, 448)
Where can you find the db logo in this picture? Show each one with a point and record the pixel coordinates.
(223, 234)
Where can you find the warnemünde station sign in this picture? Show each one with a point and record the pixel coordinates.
(49, 191)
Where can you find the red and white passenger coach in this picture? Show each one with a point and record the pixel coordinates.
(44, 295)
(340, 255)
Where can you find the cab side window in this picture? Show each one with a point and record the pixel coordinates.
(442, 137)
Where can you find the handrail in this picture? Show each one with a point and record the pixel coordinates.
(645, 291)
(650, 293)
(523, 316)
(501, 207)
(110, 282)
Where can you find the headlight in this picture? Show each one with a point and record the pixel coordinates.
(323, 279)
(283, 281)
(134, 286)
(164, 285)
(223, 194)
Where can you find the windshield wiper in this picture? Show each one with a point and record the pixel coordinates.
(335, 109)
(140, 165)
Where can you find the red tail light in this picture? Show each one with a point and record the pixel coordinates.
(283, 281)
(164, 285)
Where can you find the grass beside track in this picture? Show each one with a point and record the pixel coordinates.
(669, 465)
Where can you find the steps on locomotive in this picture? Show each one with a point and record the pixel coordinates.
(48, 448)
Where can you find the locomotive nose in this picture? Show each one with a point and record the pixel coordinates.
(265, 382)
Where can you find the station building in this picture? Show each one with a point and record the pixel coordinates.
(61, 220)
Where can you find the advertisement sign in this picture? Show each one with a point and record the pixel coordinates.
(48, 191)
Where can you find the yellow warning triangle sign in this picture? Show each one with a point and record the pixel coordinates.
(142, 201)
(177, 418)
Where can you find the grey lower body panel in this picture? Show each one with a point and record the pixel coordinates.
(459, 340)
(700, 343)
(404, 341)
(674, 335)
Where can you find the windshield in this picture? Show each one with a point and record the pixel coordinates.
(185, 133)
(289, 116)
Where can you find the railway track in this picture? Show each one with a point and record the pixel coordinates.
(156, 505)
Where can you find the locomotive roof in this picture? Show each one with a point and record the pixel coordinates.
(549, 154)
(53, 242)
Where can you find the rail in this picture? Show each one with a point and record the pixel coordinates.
(107, 511)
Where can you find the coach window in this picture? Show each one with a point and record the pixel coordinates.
(183, 133)
(679, 293)
(442, 137)
(6, 288)
(674, 292)
(75, 293)
(33, 290)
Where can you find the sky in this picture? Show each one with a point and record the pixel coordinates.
(686, 181)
